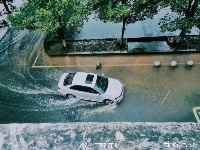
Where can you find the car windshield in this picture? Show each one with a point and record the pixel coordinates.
(68, 79)
(101, 84)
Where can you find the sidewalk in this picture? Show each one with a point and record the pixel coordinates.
(43, 60)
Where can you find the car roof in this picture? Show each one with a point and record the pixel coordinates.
(80, 77)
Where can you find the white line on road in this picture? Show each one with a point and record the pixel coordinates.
(118, 65)
(165, 97)
(36, 59)
(195, 114)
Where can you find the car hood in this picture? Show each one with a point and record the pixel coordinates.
(114, 87)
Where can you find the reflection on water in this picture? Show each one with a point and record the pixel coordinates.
(97, 29)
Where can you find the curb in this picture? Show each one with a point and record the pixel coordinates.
(123, 53)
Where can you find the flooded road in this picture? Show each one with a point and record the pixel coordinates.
(29, 95)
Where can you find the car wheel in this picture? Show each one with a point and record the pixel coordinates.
(108, 101)
(70, 96)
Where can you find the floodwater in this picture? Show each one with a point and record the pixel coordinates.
(96, 29)
(30, 94)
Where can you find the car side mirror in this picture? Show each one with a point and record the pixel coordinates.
(98, 94)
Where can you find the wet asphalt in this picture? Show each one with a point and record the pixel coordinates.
(29, 95)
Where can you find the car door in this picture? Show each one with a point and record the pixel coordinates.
(77, 91)
(85, 93)
(92, 94)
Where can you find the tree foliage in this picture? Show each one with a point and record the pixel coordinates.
(50, 15)
(186, 14)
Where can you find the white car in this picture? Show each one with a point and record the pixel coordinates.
(91, 87)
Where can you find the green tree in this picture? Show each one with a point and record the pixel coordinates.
(125, 11)
(51, 16)
(186, 14)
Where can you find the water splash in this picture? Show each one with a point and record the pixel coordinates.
(105, 108)
(22, 90)
(29, 91)
(13, 38)
(66, 102)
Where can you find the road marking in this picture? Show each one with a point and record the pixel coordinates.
(165, 97)
(36, 59)
(195, 114)
(78, 65)
(49, 66)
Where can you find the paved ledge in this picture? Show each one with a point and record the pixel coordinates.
(91, 136)
(123, 59)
